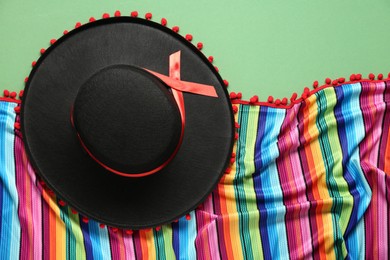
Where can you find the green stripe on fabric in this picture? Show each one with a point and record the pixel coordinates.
(167, 234)
(243, 214)
(159, 244)
(332, 155)
(78, 236)
(249, 162)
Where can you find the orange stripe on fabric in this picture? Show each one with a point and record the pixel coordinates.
(318, 177)
(28, 206)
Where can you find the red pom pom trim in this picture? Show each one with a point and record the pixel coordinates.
(12, 94)
(284, 101)
(253, 99)
(92, 19)
(129, 232)
(85, 219)
(239, 95)
(17, 109)
(17, 125)
(199, 45)
(328, 81)
(189, 37)
(293, 97)
(6, 93)
(188, 217)
(33, 63)
(105, 16)
(380, 76)
(42, 51)
(235, 109)
(21, 93)
(371, 76)
(315, 84)
(175, 29)
(226, 83)
(61, 203)
(78, 24)
(52, 41)
(73, 211)
(102, 225)
(148, 16)
(65, 32)
(158, 228)
(117, 13)
(352, 77)
(164, 22)
(134, 14)
(358, 76)
(211, 59)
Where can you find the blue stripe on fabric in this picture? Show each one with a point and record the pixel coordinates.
(87, 240)
(183, 233)
(239, 190)
(104, 241)
(10, 230)
(96, 245)
(351, 132)
(267, 186)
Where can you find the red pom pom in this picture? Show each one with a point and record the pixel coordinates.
(235, 109)
(216, 68)
(105, 16)
(175, 221)
(315, 84)
(328, 81)
(117, 13)
(278, 102)
(233, 155)
(6, 93)
(148, 16)
(188, 37)
(293, 97)
(228, 170)
(114, 229)
(61, 203)
(17, 125)
(188, 217)
(78, 24)
(17, 109)
(335, 82)
(380, 76)
(50, 192)
(134, 14)
(129, 232)
(199, 45)
(52, 41)
(239, 95)
(102, 225)
(92, 19)
(352, 77)
(158, 228)
(236, 125)
(66, 32)
(226, 83)
(25, 79)
(358, 76)
(236, 136)
(306, 90)
(341, 80)
(211, 59)
(42, 51)
(33, 63)
(164, 22)
(73, 211)
(233, 95)
(85, 219)
(270, 99)
(175, 29)
(284, 101)
(253, 99)
(12, 94)
(232, 160)
(388, 75)
(371, 76)
(21, 93)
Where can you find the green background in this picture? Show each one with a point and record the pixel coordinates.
(266, 48)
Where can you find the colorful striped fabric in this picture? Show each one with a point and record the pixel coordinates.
(310, 181)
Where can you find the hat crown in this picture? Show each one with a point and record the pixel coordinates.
(127, 119)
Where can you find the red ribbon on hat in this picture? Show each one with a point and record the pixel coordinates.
(178, 87)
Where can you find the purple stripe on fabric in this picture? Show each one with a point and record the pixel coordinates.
(87, 240)
(219, 225)
(137, 244)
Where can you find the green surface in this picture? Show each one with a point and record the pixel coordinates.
(262, 47)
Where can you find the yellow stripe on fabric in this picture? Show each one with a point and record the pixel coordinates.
(319, 185)
(249, 165)
(228, 205)
(78, 235)
(167, 234)
(59, 233)
(148, 237)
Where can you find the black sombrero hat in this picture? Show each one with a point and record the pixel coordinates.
(128, 122)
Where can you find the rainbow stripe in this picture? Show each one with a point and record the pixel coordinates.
(309, 181)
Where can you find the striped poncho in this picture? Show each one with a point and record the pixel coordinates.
(309, 181)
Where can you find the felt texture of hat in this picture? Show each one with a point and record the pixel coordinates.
(69, 66)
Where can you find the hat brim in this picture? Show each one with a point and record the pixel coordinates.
(54, 149)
